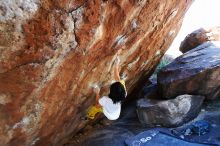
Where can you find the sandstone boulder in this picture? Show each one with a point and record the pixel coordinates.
(52, 52)
(196, 72)
(198, 37)
(169, 113)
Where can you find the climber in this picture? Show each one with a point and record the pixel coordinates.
(110, 105)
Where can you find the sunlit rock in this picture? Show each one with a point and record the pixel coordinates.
(198, 37)
(52, 52)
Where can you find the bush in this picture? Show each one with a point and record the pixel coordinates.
(166, 59)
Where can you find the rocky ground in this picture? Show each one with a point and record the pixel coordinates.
(128, 126)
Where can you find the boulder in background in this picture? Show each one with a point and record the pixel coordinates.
(198, 37)
(169, 113)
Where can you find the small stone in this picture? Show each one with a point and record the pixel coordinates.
(182, 136)
(188, 132)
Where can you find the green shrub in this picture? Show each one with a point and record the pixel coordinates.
(166, 59)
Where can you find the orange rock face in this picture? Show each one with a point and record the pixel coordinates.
(51, 52)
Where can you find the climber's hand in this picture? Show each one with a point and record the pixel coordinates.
(96, 89)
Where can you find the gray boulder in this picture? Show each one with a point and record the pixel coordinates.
(197, 72)
(169, 113)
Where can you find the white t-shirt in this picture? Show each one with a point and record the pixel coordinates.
(111, 111)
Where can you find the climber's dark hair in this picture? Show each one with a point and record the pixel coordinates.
(117, 92)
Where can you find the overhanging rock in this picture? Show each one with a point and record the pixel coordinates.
(51, 52)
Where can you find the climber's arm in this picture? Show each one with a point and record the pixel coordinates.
(116, 69)
(97, 96)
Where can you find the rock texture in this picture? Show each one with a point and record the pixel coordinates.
(195, 72)
(198, 37)
(51, 52)
(169, 113)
